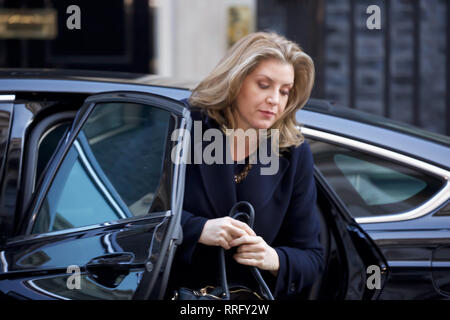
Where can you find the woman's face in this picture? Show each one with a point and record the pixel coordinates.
(264, 95)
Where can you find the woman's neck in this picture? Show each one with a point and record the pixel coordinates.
(243, 143)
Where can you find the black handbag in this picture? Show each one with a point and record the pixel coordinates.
(226, 291)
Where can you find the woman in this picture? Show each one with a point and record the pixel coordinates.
(261, 83)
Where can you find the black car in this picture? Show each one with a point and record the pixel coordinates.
(90, 194)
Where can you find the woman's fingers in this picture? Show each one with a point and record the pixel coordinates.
(247, 262)
(259, 255)
(250, 248)
(223, 231)
(235, 232)
(245, 240)
(224, 244)
(229, 232)
(224, 236)
(254, 251)
(243, 226)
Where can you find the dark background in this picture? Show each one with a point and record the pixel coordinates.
(116, 35)
(400, 72)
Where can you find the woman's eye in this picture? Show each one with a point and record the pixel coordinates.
(285, 93)
(263, 85)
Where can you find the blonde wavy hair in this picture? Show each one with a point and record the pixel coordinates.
(218, 91)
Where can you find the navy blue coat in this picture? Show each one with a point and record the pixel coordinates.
(285, 217)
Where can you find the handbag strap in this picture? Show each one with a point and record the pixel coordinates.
(249, 216)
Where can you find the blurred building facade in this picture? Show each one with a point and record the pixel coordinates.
(400, 71)
(113, 35)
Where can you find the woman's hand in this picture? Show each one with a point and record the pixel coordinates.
(221, 231)
(254, 251)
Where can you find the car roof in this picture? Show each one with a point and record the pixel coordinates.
(101, 76)
(319, 114)
(402, 141)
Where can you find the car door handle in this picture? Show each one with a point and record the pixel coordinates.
(110, 269)
(119, 260)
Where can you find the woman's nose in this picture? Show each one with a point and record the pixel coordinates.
(273, 98)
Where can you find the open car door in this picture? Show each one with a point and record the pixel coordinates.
(104, 223)
(351, 256)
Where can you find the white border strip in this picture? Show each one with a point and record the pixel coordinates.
(436, 201)
(7, 97)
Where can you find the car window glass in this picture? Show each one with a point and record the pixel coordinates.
(370, 185)
(376, 184)
(112, 170)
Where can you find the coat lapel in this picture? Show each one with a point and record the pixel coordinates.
(220, 188)
(258, 189)
(218, 178)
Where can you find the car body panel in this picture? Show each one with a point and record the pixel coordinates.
(39, 268)
(348, 251)
(121, 259)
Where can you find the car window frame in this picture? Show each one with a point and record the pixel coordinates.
(179, 114)
(6, 107)
(82, 147)
(29, 181)
(72, 139)
(6, 215)
(393, 156)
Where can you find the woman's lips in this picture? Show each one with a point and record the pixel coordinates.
(267, 114)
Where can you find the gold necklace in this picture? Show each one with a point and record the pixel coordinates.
(243, 174)
(239, 177)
